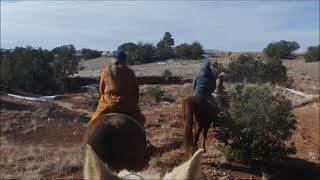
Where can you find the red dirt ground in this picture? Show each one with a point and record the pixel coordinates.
(306, 136)
(163, 127)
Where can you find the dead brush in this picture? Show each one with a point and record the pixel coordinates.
(7, 160)
(30, 153)
(35, 124)
(93, 96)
(36, 162)
(155, 160)
(22, 159)
(8, 126)
(14, 123)
(167, 160)
(69, 164)
(64, 161)
(27, 175)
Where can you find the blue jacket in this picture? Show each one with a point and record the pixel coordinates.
(204, 83)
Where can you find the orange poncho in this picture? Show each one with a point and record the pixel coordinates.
(119, 91)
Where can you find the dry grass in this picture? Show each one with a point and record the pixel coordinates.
(36, 162)
(178, 68)
(166, 161)
(35, 124)
(300, 68)
(8, 159)
(15, 123)
(23, 175)
(25, 121)
(8, 126)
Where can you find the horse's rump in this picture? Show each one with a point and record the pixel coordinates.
(205, 109)
(198, 114)
(118, 140)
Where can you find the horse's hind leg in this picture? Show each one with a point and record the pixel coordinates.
(205, 133)
(196, 139)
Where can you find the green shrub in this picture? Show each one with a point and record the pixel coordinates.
(156, 92)
(147, 52)
(166, 74)
(312, 54)
(218, 68)
(90, 53)
(130, 48)
(275, 71)
(27, 68)
(38, 70)
(138, 53)
(247, 68)
(189, 51)
(144, 53)
(66, 64)
(264, 125)
(164, 48)
(282, 49)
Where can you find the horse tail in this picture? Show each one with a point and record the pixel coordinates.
(188, 109)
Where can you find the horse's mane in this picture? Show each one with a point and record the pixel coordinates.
(95, 169)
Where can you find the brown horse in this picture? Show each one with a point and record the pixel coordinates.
(198, 115)
(119, 141)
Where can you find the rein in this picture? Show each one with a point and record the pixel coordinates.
(133, 174)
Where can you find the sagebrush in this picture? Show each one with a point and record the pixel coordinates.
(263, 123)
(312, 54)
(156, 92)
(249, 69)
(281, 49)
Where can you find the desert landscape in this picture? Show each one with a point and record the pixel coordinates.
(238, 79)
(43, 139)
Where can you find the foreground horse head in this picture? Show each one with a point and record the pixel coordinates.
(95, 169)
(119, 141)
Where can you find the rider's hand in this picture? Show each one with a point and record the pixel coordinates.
(221, 75)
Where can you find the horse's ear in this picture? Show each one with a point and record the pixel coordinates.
(189, 170)
(94, 168)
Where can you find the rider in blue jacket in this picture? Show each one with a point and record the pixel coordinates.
(204, 83)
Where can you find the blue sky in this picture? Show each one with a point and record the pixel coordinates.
(104, 25)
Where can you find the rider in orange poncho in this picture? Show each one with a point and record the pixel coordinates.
(119, 90)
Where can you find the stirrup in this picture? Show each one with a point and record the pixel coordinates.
(150, 148)
(149, 144)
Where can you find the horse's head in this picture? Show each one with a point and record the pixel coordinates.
(95, 169)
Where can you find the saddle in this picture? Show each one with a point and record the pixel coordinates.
(212, 102)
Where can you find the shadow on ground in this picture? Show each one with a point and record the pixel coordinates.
(294, 168)
(291, 168)
(165, 148)
(16, 106)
